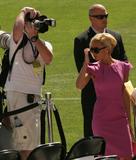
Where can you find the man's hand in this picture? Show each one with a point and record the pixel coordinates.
(33, 12)
(30, 29)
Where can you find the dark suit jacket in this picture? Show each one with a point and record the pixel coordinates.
(80, 43)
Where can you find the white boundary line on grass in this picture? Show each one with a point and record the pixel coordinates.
(63, 98)
(67, 99)
(65, 74)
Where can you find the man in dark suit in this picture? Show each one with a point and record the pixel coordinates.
(98, 17)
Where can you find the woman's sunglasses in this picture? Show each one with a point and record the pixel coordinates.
(96, 49)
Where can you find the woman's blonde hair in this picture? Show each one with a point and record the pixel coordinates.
(105, 39)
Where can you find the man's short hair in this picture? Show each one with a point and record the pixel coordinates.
(93, 7)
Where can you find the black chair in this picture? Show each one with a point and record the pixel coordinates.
(109, 157)
(86, 147)
(49, 151)
(5, 137)
(9, 154)
(134, 158)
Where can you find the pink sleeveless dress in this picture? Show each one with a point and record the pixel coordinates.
(109, 116)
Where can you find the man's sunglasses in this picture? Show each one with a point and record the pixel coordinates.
(100, 16)
(96, 50)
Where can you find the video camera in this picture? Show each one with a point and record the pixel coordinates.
(41, 23)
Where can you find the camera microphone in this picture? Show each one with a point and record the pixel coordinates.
(49, 22)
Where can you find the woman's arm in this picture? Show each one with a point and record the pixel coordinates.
(83, 76)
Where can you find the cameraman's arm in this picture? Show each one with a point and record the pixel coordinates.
(19, 25)
(43, 50)
(45, 53)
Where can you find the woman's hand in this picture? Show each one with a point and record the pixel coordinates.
(86, 53)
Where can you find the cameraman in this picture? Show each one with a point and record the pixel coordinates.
(23, 85)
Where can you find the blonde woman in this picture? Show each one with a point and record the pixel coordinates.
(110, 116)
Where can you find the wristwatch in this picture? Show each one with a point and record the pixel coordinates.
(34, 38)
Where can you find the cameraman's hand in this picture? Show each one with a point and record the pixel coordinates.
(30, 29)
(20, 23)
(33, 12)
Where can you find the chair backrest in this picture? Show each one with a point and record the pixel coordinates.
(87, 146)
(109, 157)
(9, 154)
(49, 151)
(5, 138)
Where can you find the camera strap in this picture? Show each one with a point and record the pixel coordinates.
(34, 52)
(43, 124)
(20, 110)
(35, 55)
(21, 45)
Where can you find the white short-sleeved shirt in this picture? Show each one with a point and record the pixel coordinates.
(23, 78)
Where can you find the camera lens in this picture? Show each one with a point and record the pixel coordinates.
(51, 22)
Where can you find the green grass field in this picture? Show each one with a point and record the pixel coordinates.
(72, 18)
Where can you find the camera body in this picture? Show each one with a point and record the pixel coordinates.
(41, 23)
